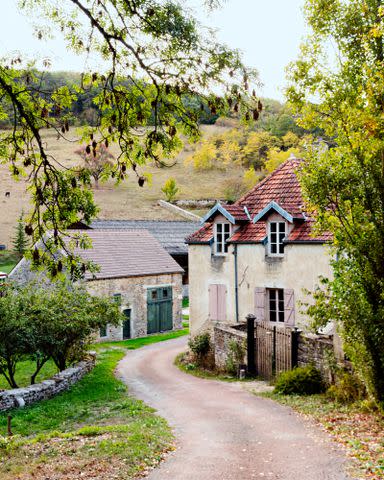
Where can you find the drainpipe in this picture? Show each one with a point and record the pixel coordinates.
(236, 284)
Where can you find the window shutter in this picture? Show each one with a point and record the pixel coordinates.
(289, 307)
(212, 290)
(260, 301)
(221, 303)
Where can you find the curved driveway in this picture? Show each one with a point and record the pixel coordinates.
(222, 431)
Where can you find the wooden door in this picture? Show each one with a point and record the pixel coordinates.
(127, 324)
(159, 309)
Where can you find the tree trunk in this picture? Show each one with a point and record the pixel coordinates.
(39, 366)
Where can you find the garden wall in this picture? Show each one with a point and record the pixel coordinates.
(222, 336)
(60, 382)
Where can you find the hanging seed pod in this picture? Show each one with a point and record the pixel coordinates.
(134, 166)
(66, 126)
(253, 93)
(150, 12)
(59, 266)
(255, 114)
(15, 171)
(247, 116)
(113, 118)
(141, 181)
(28, 229)
(109, 129)
(94, 77)
(83, 268)
(27, 162)
(123, 168)
(167, 89)
(73, 182)
(54, 271)
(63, 129)
(91, 136)
(94, 153)
(259, 106)
(94, 144)
(178, 90)
(106, 143)
(231, 73)
(88, 149)
(36, 255)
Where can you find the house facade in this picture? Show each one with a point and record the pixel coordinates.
(257, 256)
(137, 273)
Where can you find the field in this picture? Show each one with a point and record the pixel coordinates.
(126, 201)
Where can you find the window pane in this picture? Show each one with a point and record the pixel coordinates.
(281, 295)
(165, 293)
(273, 248)
(282, 227)
(273, 237)
(227, 228)
(272, 316)
(225, 247)
(219, 227)
(281, 316)
(273, 226)
(154, 294)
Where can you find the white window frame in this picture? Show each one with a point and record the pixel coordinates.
(224, 236)
(280, 236)
(279, 310)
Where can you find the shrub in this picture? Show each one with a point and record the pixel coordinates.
(347, 389)
(233, 189)
(170, 189)
(235, 357)
(200, 345)
(300, 381)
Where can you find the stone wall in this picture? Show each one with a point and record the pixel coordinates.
(60, 382)
(133, 291)
(317, 350)
(222, 336)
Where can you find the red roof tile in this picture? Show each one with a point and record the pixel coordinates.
(281, 186)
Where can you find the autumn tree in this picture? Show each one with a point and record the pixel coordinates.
(156, 58)
(344, 185)
(96, 160)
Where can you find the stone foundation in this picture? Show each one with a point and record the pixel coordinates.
(60, 382)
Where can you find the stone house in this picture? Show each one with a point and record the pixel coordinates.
(258, 256)
(136, 271)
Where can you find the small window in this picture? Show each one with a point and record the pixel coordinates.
(103, 331)
(117, 298)
(276, 305)
(223, 232)
(154, 294)
(165, 292)
(276, 238)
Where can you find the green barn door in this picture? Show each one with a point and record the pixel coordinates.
(159, 308)
(127, 324)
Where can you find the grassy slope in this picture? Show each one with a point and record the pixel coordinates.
(125, 201)
(7, 261)
(95, 429)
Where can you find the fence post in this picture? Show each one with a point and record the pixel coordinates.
(295, 333)
(251, 365)
(274, 351)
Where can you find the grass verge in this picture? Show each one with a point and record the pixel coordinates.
(95, 430)
(359, 429)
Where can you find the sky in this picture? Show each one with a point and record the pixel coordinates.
(268, 32)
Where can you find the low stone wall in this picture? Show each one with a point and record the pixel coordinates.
(222, 336)
(60, 382)
(317, 350)
(179, 211)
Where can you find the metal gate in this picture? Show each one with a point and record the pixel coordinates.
(275, 349)
(159, 309)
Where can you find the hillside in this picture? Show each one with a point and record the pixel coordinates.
(126, 200)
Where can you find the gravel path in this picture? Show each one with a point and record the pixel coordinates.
(223, 432)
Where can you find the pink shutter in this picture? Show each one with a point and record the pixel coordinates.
(221, 303)
(260, 301)
(289, 307)
(212, 290)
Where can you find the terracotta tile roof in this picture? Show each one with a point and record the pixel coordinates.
(281, 186)
(250, 233)
(237, 211)
(203, 235)
(127, 253)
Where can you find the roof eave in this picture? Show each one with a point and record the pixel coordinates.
(273, 206)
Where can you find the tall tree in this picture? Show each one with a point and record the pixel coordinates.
(338, 85)
(156, 58)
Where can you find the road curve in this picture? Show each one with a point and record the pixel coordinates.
(222, 431)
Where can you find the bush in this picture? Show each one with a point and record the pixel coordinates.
(170, 189)
(300, 381)
(347, 389)
(235, 357)
(200, 345)
(233, 189)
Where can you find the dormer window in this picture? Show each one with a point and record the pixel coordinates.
(276, 235)
(222, 233)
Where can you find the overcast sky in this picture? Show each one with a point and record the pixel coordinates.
(268, 32)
